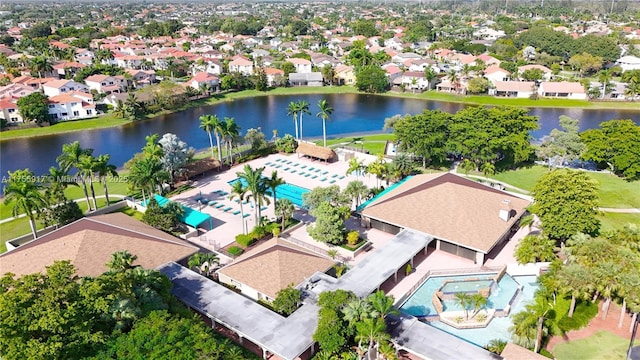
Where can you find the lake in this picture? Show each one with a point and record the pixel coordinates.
(353, 113)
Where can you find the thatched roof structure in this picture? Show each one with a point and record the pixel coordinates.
(315, 151)
(200, 166)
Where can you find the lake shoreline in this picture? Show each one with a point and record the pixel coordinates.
(103, 121)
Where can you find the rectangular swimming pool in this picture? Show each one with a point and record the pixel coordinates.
(284, 191)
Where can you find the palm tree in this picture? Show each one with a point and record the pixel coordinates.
(238, 190)
(284, 210)
(356, 166)
(207, 123)
(357, 310)
(496, 346)
(256, 186)
(121, 261)
(382, 304)
(87, 166)
(325, 111)
(575, 280)
(464, 300)
(430, 75)
(230, 132)
(292, 109)
(272, 183)
(58, 182)
(147, 174)
(371, 330)
(203, 262)
(25, 195)
(478, 302)
(41, 65)
(151, 148)
(124, 312)
(303, 108)
(454, 79)
(403, 165)
(104, 169)
(71, 156)
(357, 190)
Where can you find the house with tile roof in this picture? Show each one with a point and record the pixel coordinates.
(563, 89)
(547, 73)
(67, 68)
(271, 267)
(345, 75)
(495, 73)
(62, 86)
(9, 111)
(241, 65)
(303, 66)
(106, 83)
(466, 218)
(34, 83)
(203, 78)
(89, 242)
(15, 90)
(275, 77)
(518, 89)
(72, 106)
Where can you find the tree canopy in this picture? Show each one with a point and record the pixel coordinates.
(616, 145)
(34, 107)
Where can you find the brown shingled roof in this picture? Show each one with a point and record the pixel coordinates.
(315, 151)
(200, 166)
(515, 352)
(274, 265)
(448, 207)
(89, 243)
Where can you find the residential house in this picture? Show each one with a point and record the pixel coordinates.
(466, 218)
(67, 68)
(9, 111)
(518, 89)
(488, 60)
(202, 79)
(271, 267)
(85, 56)
(34, 83)
(106, 83)
(275, 77)
(306, 79)
(62, 86)
(393, 71)
(303, 66)
(547, 73)
(495, 73)
(142, 78)
(345, 75)
(414, 80)
(241, 65)
(418, 64)
(89, 243)
(401, 58)
(71, 107)
(564, 89)
(628, 63)
(15, 91)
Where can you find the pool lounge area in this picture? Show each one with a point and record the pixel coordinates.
(284, 191)
(509, 295)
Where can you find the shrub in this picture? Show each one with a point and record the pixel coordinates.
(481, 317)
(286, 144)
(258, 232)
(458, 319)
(245, 240)
(235, 251)
(353, 237)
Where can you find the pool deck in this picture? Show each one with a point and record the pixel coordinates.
(226, 224)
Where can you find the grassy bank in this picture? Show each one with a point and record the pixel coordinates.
(612, 221)
(373, 143)
(109, 120)
(602, 345)
(614, 192)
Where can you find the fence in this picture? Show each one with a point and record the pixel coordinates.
(313, 248)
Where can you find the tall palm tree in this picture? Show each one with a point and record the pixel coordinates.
(303, 108)
(203, 262)
(25, 196)
(230, 132)
(151, 148)
(292, 109)
(104, 169)
(284, 211)
(357, 310)
(430, 75)
(238, 190)
(372, 331)
(207, 123)
(454, 79)
(59, 180)
(71, 156)
(87, 166)
(272, 183)
(382, 304)
(147, 174)
(575, 280)
(325, 111)
(357, 190)
(41, 65)
(356, 166)
(256, 186)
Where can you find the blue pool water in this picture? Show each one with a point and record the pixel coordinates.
(419, 304)
(284, 191)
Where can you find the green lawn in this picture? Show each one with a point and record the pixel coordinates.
(64, 127)
(372, 143)
(132, 212)
(611, 221)
(614, 192)
(602, 345)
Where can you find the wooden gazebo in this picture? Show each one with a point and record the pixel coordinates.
(316, 152)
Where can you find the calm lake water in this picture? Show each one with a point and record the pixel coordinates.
(353, 113)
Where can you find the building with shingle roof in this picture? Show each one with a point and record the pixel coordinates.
(271, 267)
(89, 242)
(465, 217)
